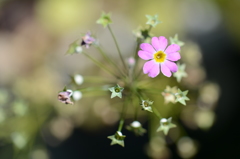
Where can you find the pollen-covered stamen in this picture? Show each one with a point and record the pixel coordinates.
(159, 56)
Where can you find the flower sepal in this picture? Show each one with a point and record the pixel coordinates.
(175, 40)
(117, 138)
(143, 35)
(181, 97)
(105, 19)
(153, 20)
(180, 73)
(116, 91)
(146, 105)
(169, 94)
(165, 125)
(136, 128)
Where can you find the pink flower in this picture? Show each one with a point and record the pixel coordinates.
(87, 40)
(159, 58)
(65, 97)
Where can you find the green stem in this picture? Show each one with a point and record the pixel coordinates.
(149, 29)
(136, 113)
(97, 79)
(121, 122)
(156, 112)
(87, 89)
(119, 52)
(100, 65)
(137, 108)
(124, 108)
(109, 60)
(136, 59)
(136, 56)
(138, 74)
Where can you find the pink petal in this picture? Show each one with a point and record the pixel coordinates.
(148, 66)
(172, 49)
(147, 47)
(162, 43)
(171, 65)
(154, 71)
(155, 43)
(159, 44)
(173, 56)
(145, 55)
(165, 70)
(151, 68)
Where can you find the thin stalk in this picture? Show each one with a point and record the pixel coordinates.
(100, 65)
(138, 74)
(156, 112)
(136, 55)
(140, 100)
(96, 79)
(136, 59)
(119, 52)
(136, 113)
(124, 108)
(130, 75)
(121, 122)
(109, 60)
(88, 89)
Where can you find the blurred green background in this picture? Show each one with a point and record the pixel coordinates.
(34, 37)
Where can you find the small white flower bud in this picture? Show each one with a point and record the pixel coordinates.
(78, 79)
(119, 133)
(131, 61)
(78, 49)
(136, 124)
(77, 95)
(163, 120)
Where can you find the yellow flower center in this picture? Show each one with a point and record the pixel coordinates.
(159, 56)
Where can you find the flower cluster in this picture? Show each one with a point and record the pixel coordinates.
(128, 82)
